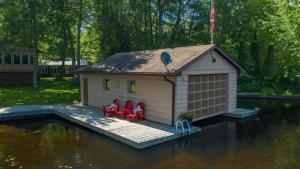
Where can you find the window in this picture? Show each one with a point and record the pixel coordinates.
(106, 84)
(0, 58)
(17, 59)
(25, 59)
(7, 59)
(131, 86)
(31, 60)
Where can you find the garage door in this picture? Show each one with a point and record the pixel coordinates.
(207, 94)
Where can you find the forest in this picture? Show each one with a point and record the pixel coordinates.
(263, 36)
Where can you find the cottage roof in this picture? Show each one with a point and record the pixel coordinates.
(149, 63)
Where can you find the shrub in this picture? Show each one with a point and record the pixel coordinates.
(187, 116)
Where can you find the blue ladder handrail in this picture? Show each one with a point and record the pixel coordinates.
(181, 123)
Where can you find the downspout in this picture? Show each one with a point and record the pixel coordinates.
(173, 98)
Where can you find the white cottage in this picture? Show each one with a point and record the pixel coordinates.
(200, 79)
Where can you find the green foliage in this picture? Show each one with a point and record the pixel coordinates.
(187, 116)
(252, 85)
(261, 35)
(50, 91)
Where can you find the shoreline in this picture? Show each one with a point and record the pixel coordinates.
(261, 96)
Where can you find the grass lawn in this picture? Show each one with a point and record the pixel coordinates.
(50, 91)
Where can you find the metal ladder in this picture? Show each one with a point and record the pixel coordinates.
(181, 124)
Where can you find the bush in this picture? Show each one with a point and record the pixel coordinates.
(249, 84)
(187, 116)
(58, 77)
(265, 87)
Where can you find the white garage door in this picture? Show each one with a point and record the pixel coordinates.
(207, 94)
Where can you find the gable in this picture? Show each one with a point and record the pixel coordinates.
(205, 63)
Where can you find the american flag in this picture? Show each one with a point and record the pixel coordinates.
(212, 16)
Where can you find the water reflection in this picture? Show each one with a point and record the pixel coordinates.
(270, 140)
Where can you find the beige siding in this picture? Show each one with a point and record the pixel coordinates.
(153, 90)
(16, 68)
(205, 66)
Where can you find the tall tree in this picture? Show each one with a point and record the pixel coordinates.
(251, 31)
(160, 6)
(79, 24)
(34, 39)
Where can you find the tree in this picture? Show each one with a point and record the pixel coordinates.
(80, 13)
(34, 38)
(21, 26)
(256, 33)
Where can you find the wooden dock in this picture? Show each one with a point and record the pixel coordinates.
(139, 135)
(240, 113)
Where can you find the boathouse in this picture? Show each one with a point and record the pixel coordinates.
(200, 79)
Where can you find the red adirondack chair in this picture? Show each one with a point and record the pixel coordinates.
(127, 109)
(110, 109)
(139, 115)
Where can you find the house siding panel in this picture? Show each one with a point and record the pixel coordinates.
(153, 90)
(16, 68)
(14, 78)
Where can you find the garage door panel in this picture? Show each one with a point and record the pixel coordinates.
(207, 94)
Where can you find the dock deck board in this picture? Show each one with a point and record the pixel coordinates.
(139, 135)
(240, 113)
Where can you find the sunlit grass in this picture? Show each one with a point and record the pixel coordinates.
(50, 91)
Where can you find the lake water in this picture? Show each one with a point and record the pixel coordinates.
(269, 141)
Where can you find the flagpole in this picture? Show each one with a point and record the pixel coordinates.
(211, 31)
(211, 37)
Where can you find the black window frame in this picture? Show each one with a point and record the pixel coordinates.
(25, 56)
(5, 60)
(17, 56)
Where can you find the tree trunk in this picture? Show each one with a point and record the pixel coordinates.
(71, 47)
(35, 62)
(65, 39)
(32, 5)
(64, 50)
(103, 21)
(191, 27)
(176, 27)
(150, 24)
(79, 33)
(270, 58)
(254, 53)
(146, 30)
(160, 4)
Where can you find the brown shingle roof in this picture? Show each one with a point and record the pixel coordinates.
(148, 62)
